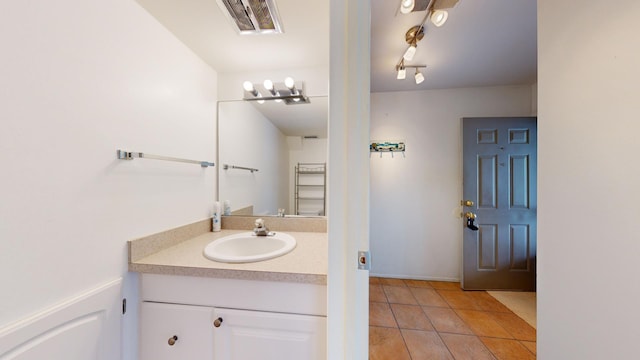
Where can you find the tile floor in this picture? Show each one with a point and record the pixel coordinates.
(415, 320)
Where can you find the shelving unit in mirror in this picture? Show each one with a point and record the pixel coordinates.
(310, 189)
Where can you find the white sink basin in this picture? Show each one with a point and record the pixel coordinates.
(247, 247)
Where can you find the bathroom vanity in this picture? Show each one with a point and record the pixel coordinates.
(195, 308)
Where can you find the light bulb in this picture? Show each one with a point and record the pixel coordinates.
(439, 17)
(406, 6)
(260, 101)
(402, 73)
(268, 84)
(248, 86)
(419, 77)
(289, 83)
(411, 51)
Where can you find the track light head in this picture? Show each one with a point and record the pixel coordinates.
(439, 17)
(419, 77)
(406, 6)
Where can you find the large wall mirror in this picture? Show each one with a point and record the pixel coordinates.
(272, 157)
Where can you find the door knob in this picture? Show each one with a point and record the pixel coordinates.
(217, 322)
(466, 202)
(172, 340)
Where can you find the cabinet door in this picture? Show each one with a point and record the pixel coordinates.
(249, 335)
(176, 332)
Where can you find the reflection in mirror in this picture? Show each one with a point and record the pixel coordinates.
(272, 139)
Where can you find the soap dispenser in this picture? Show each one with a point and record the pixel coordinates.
(216, 220)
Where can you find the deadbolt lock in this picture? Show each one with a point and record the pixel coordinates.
(466, 202)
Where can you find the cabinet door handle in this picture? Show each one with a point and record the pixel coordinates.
(172, 340)
(217, 322)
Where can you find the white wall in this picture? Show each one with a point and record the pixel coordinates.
(588, 242)
(249, 139)
(416, 231)
(81, 79)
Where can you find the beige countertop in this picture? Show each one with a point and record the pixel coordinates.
(307, 263)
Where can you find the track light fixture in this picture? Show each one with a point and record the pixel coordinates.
(437, 15)
(413, 35)
(402, 72)
(406, 6)
(419, 77)
(291, 92)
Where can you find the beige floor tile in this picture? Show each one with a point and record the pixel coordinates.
(445, 285)
(392, 282)
(411, 317)
(376, 293)
(428, 297)
(386, 344)
(446, 320)
(425, 345)
(418, 283)
(517, 327)
(466, 347)
(459, 299)
(380, 315)
(399, 295)
(483, 324)
(522, 304)
(505, 349)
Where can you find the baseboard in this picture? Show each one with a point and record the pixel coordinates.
(414, 277)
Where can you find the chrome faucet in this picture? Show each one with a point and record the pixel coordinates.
(260, 229)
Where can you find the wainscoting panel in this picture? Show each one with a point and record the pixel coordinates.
(84, 327)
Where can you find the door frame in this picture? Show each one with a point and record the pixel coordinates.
(348, 179)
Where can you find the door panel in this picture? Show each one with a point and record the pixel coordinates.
(256, 335)
(176, 332)
(499, 170)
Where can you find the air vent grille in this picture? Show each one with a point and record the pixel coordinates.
(252, 16)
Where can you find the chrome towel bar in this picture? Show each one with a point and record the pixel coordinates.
(130, 155)
(227, 167)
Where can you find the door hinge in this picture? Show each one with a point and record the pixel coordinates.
(364, 260)
(124, 306)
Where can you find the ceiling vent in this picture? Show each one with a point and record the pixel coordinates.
(252, 16)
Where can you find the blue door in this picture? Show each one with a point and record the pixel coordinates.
(499, 189)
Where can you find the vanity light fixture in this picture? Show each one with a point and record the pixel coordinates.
(290, 92)
(248, 87)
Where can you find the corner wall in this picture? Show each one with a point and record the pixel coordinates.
(588, 242)
(81, 79)
(415, 227)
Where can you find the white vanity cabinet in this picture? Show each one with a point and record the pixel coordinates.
(172, 332)
(223, 319)
(246, 335)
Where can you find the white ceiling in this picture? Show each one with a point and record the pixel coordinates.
(484, 42)
(202, 26)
